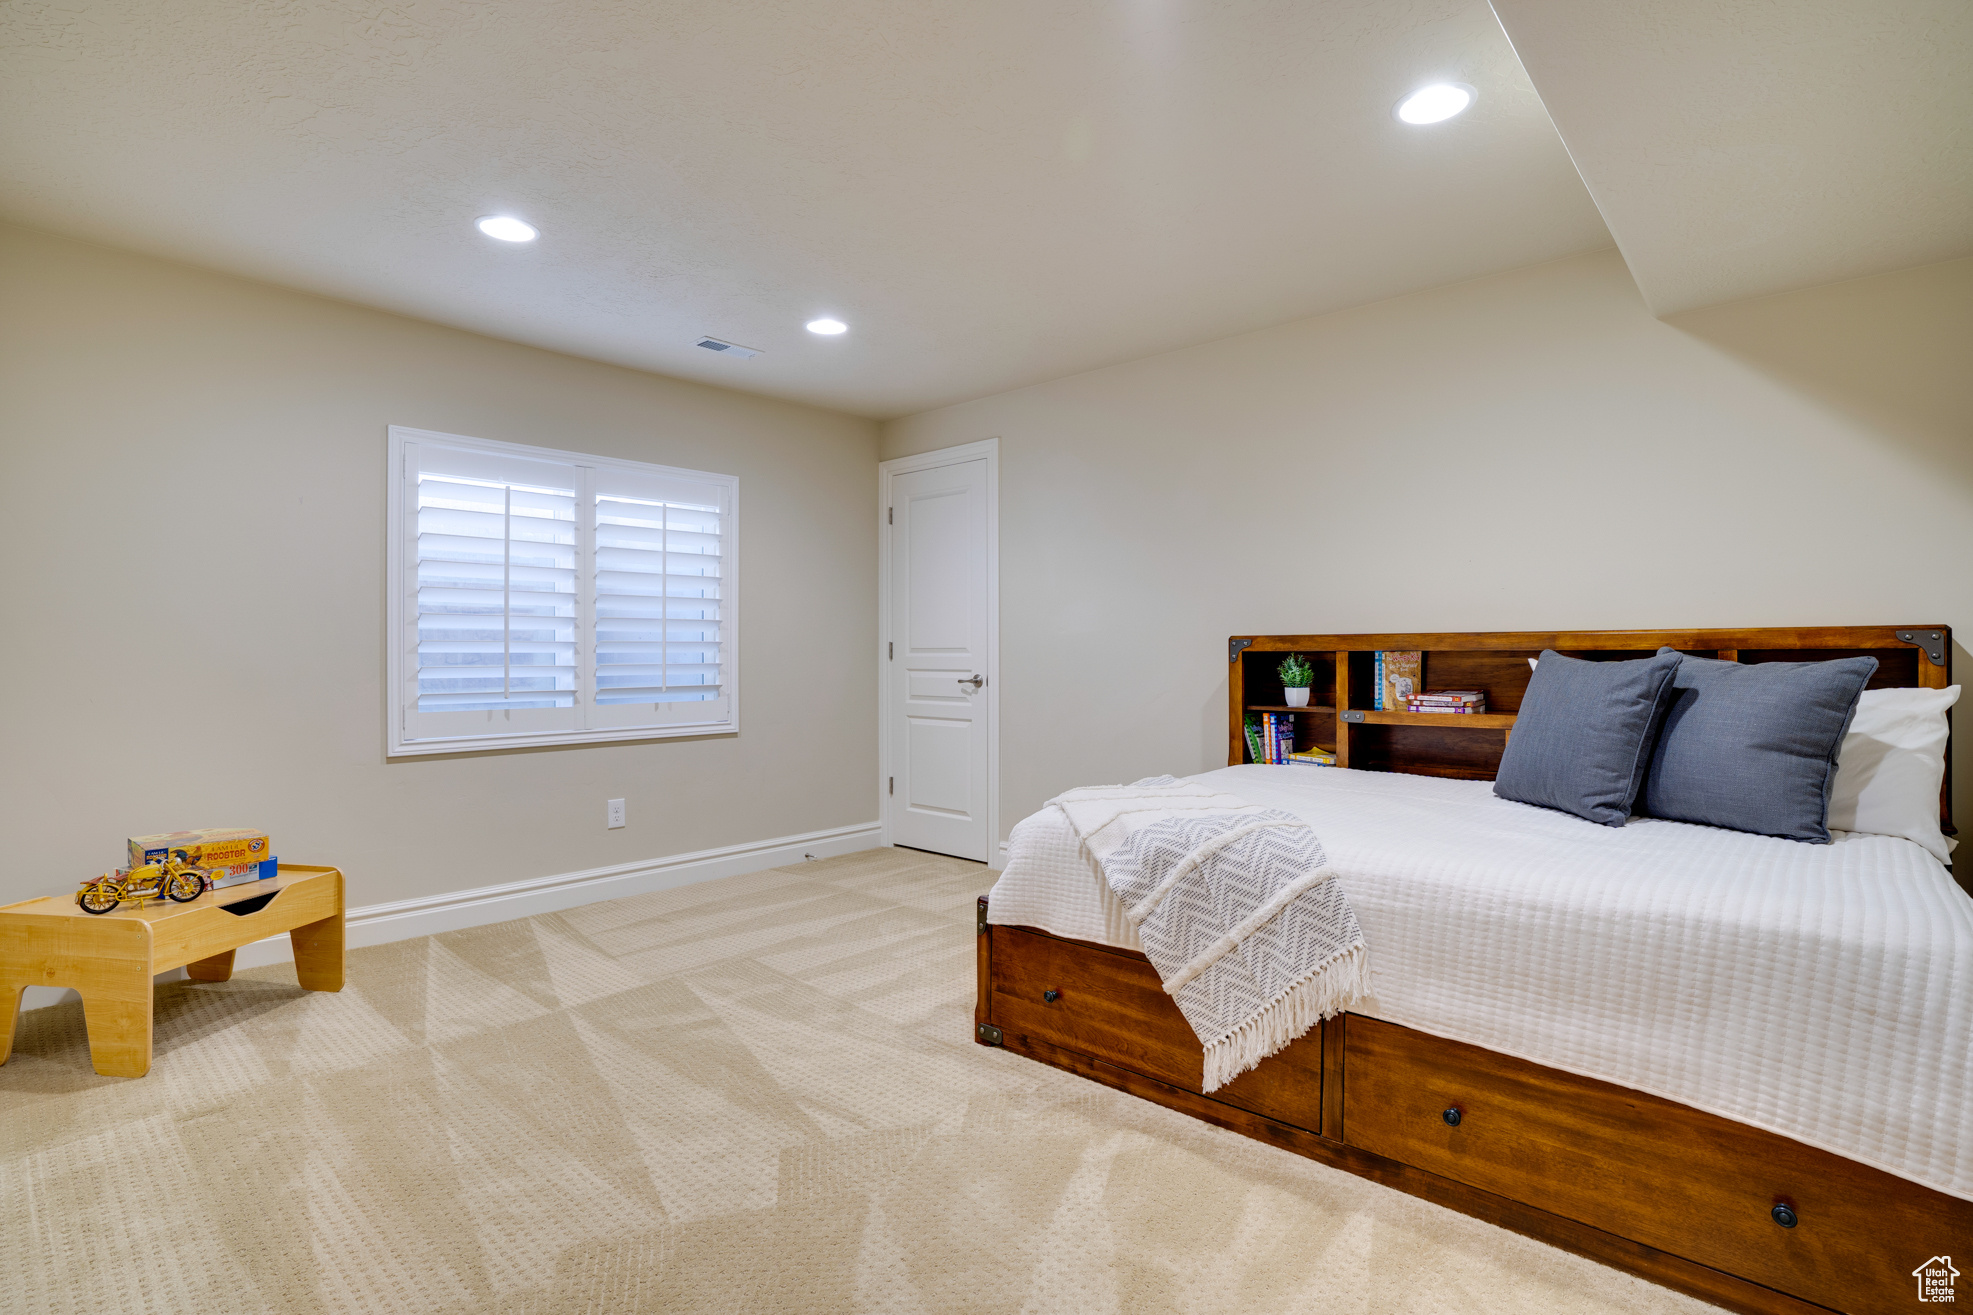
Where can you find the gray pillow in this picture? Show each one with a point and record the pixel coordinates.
(1753, 747)
(1583, 736)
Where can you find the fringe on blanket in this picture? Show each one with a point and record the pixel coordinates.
(1326, 990)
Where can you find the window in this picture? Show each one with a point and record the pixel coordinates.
(544, 597)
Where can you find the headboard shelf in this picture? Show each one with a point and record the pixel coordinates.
(1496, 661)
(1464, 721)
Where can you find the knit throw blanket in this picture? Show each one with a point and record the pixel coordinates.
(1235, 908)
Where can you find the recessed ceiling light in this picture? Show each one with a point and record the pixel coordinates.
(827, 327)
(506, 228)
(1436, 103)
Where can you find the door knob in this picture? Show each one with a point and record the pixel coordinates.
(975, 682)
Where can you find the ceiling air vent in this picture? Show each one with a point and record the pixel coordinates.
(729, 348)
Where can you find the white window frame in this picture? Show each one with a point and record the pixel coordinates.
(401, 615)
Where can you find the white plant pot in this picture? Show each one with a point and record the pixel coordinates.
(1297, 698)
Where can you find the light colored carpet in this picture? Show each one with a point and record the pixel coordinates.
(757, 1094)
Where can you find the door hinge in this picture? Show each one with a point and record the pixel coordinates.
(988, 1034)
(890, 653)
(892, 788)
(890, 515)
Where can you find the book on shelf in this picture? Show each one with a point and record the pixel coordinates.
(1277, 737)
(1448, 700)
(1397, 675)
(1264, 731)
(1315, 757)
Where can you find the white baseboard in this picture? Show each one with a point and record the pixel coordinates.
(376, 924)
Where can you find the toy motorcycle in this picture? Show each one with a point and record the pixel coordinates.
(173, 879)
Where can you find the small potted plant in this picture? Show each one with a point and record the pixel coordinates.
(1297, 674)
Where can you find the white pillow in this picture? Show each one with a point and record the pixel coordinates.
(1891, 766)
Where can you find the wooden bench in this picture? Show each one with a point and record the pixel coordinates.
(111, 958)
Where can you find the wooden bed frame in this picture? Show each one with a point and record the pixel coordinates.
(1726, 1212)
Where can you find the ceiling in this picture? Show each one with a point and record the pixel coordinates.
(989, 194)
(1749, 147)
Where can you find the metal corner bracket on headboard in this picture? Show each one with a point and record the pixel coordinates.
(1931, 641)
(1233, 647)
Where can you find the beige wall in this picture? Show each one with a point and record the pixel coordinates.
(1527, 451)
(191, 503)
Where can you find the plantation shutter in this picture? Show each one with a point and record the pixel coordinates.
(496, 567)
(550, 597)
(661, 623)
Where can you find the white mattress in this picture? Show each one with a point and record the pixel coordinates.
(1824, 992)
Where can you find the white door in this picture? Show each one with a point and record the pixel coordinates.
(937, 693)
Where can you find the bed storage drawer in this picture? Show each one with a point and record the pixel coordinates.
(1646, 1169)
(1110, 1005)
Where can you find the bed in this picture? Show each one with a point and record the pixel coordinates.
(1734, 1064)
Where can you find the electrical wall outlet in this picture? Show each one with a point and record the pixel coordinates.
(616, 814)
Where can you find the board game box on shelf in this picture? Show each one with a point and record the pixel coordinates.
(229, 855)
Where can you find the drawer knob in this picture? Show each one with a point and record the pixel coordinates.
(1452, 1117)
(1784, 1215)
(1051, 996)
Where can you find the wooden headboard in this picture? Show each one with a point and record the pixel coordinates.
(1497, 662)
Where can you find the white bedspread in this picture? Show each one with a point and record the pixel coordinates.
(1824, 992)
